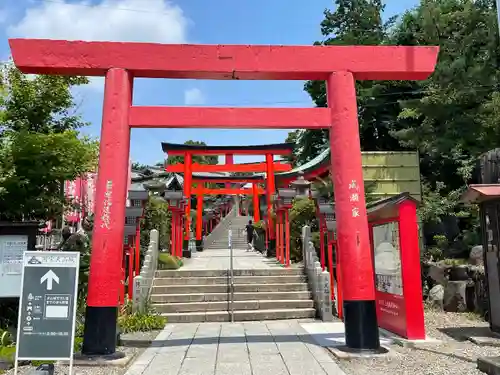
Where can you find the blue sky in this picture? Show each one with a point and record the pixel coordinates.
(285, 22)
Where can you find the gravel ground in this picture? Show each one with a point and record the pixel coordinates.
(135, 344)
(453, 355)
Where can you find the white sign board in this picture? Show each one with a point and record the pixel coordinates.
(12, 248)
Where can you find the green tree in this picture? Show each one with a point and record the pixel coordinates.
(451, 118)
(39, 144)
(355, 22)
(456, 116)
(156, 216)
(43, 104)
(33, 167)
(199, 159)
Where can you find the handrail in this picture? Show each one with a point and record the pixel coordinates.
(231, 274)
(143, 283)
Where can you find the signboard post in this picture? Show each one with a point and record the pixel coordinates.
(47, 306)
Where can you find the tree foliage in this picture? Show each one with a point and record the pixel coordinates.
(33, 167)
(156, 216)
(353, 22)
(40, 147)
(198, 159)
(450, 118)
(43, 104)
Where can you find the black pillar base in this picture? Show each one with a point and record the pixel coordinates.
(199, 245)
(361, 327)
(100, 335)
(271, 249)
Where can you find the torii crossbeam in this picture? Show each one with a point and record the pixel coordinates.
(120, 63)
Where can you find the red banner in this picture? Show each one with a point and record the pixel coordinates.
(73, 191)
(80, 192)
(391, 312)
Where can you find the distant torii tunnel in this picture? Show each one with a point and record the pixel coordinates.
(270, 167)
(120, 63)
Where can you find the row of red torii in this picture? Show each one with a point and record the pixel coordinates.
(255, 173)
(120, 63)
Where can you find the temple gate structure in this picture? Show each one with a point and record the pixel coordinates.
(270, 167)
(120, 63)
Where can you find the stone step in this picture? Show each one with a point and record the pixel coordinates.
(224, 246)
(241, 315)
(179, 289)
(278, 271)
(238, 305)
(241, 296)
(225, 279)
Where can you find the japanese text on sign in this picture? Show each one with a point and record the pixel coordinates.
(47, 306)
(389, 307)
(106, 209)
(11, 252)
(354, 197)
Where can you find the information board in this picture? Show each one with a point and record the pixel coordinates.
(47, 307)
(391, 312)
(12, 248)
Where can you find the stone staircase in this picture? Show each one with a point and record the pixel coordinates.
(219, 239)
(204, 295)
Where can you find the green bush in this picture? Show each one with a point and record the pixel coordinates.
(8, 353)
(5, 338)
(147, 320)
(169, 262)
(303, 212)
(156, 216)
(141, 322)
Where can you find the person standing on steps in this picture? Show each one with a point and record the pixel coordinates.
(250, 232)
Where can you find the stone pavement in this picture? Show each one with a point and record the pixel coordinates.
(248, 348)
(219, 260)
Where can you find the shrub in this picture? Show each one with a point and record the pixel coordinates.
(5, 338)
(147, 320)
(156, 216)
(303, 212)
(169, 262)
(141, 322)
(8, 353)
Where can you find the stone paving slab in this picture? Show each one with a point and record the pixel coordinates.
(244, 348)
(219, 259)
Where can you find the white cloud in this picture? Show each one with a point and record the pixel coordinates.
(156, 21)
(194, 97)
(117, 20)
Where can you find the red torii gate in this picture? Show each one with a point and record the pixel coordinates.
(187, 151)
(255, 192)
(120, 63)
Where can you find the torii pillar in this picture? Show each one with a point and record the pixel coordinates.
(270, 189)
(229, 159)
(256, 207)
(360, 315)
